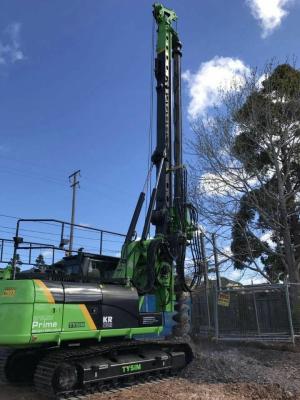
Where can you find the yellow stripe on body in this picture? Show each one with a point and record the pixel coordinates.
(87, 317)
(46, 290)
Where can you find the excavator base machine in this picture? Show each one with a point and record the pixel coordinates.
(77, 326)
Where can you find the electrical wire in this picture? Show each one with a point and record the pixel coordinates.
(63, 183)
(84, 228)
(59, 234)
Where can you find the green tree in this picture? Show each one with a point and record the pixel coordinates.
(249, 161)
(18, 263)
(40, 262)
(269, 143)
(18, 260)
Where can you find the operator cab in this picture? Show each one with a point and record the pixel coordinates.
(82, 267)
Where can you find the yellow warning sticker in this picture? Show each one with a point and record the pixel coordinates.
(224, 299)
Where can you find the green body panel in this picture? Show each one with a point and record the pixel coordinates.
(16, 311)
(15, 323)
(133, 253)
(74, 319)
(28, 317)
(17, 292)
(47, 318)
(42, 295)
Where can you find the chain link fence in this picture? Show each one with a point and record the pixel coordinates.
(254, 312)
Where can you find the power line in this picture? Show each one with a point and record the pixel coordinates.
(57, 234)
(47, 223)
(44, 178)
(77, 245)
(9, 216)
(23, 161)
(32, 176)
(39, 222)
(55, 181)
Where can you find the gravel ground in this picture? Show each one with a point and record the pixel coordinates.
(218, 372)
(246, 364)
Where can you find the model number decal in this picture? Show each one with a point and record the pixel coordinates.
(9, 292)
(73, 325)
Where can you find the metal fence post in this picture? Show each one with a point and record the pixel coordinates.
(288, 305)
(256, 313)
(206, 282)
(216, 314)
(207, 295)
(204, 260)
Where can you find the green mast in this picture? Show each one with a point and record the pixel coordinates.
(166, 35)
(164, 18)
(149, 264)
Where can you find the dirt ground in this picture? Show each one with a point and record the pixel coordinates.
(219, 372)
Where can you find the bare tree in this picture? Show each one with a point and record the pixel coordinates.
(245, 178)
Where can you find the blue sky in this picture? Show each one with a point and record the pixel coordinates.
(75, 93)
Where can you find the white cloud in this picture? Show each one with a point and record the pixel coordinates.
(266, 237)
(10, 47)
(245, 277)
(226, 184)
(214, 185)
(255, 280)
(225, 253)
(234, 275)
(47, 253)
(269, 13)
(219, 73)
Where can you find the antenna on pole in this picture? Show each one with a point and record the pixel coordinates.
(73, 178)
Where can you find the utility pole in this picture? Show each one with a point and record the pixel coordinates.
(74, 184)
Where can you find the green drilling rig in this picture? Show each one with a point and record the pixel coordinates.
(77, 327)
